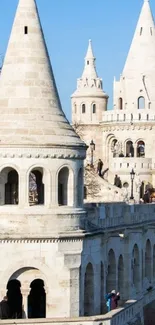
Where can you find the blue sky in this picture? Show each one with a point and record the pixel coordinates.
(69, 24)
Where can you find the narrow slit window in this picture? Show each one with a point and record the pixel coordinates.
(141, 30)
(151, 30)
(25, 30)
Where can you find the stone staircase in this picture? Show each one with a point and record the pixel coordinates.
(98, 189)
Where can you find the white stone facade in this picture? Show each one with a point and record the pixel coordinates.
(132, 120)
(58, 256)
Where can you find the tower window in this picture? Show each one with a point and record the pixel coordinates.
(83, 108)
(141, 102)
(151, 30)
(87, 62)
(25, 30)
(141, 30)
(94, 108)
(120, 103)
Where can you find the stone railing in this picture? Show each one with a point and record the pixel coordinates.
(111, 215)
(126, 116)
(126, 164)
(131, 313)
(120, 316)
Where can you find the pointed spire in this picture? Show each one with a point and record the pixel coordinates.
(30, 108)
(141, 56)
(90, 68)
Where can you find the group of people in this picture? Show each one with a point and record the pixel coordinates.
(112, 299)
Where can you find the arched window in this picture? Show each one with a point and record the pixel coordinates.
(83, 108)
(111, 276)
(14, 299)
(141, 102)
(140, 149)
(36, 186)
(37, 300)
(148, 260)
(9, 186)
(136, 267)
(129, 149)
(115, 147)
(89, 291)
(120, 103)
(121, 276)
(94, 108)
(85, 192)
(65, 187)
(80, 187)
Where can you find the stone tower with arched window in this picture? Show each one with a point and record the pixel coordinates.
(89, 101)
(41, 179)
(124, 137)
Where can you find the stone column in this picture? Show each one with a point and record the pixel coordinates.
(73, 262)
(54, 190)
(23, 189)
(25, 292)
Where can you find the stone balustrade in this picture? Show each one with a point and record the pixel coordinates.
(126, 116)
(126, 164)
(104, 215)
(131, 312)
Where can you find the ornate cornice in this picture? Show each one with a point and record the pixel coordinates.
(39, 240)
(38, 153)
(126, 127)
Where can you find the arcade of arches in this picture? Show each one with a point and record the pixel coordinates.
(29, 303)
(37, 186)
(112, 276)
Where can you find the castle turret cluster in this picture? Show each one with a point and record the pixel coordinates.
(124, 137)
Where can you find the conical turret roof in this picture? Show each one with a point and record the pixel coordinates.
(90, 68)
(141, 57)
(30, 108)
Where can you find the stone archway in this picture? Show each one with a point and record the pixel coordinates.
(121, 276)
(111, 276)
(102, 294)
(37, 300)
(136, 267)
(26, 277)
(14, 299)
(9, 186)
(89, 291)
(65, 186)
(148, 260)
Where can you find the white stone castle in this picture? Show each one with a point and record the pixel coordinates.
(59, 257)
(124, 137)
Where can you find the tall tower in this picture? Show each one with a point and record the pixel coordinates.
(89, 100)
(136, 87)
(41, 180)
(129, 129)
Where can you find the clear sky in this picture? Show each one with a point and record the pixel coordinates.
(68, 25)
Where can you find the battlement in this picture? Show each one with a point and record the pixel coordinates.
(128, 117)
